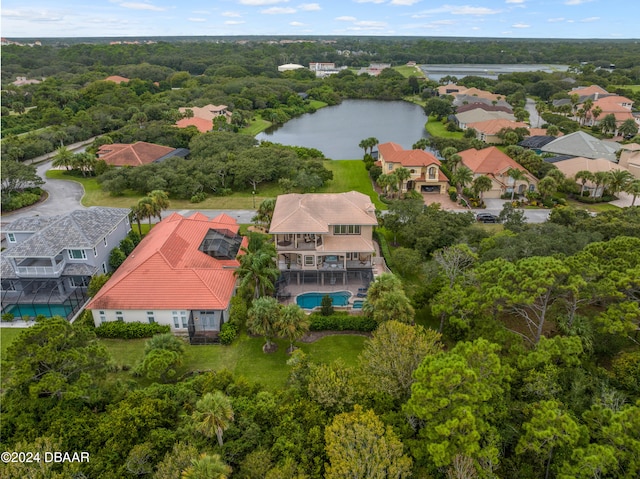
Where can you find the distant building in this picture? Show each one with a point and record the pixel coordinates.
(137, 154)
(117, 79)
(289, 67)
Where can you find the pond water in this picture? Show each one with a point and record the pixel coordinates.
(436, 72)
(337, 130)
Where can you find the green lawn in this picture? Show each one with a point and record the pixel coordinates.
(594, 208)
(436, 128)
(243, 358)
(347, 175)
(256, 126)
(408, 71)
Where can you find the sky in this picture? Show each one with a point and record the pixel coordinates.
(604, 19)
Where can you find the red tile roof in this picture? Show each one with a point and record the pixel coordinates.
(168, 271)
(117, 79)
(393, 153)
(201, 124)
(137, 154)
(492, 127)
(488, 161)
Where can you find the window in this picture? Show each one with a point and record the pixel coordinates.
(390, 167)
(432, 173)
(346, 229)
(78, 281)
(11, 237)
(104, 240)
(102, 317)
(77, 254)
(119, 316)
(104, 268)
(179, 319)
(151, 317)
(176, 322)
(95, 252)
(183, 318)
(309, 260)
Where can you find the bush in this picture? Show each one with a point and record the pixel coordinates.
(326, 306)
(122, 330)
(19, 200)
(198, 197)
(228, 333)
(340, 321)
(7, 317)
(384, 247)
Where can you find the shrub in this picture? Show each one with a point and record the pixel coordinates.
(228, 333)
(122, 330)
(198, 197)
(340, 321)
(7, 317)
(326, 305)
(384, 247)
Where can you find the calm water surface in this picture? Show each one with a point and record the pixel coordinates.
(337, 130)
(488, 70)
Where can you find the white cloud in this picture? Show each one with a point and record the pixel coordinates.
(521, 25)
(231, 14)
(460, 10)
(590, 19)
(278, 11)
(369, 1)
(346, 19)
(234, 22)
(260, 3)
(556, 20)
(197, 19)
(141, 6)
(371, 24)
(296, 24)
(576, 2)
(33, 15)
(514, 1)
(309, 7)
(403, 3)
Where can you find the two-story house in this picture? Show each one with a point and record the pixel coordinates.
(49, 261)
(426, 176)
(181, 274)
(324, 238)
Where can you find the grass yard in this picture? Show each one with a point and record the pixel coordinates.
(256, 126)
(594, 208)
(243, 358)
(351, 175)
(436, 128)
(407, 71)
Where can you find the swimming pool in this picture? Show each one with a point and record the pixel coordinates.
(357, 304)
(313, 300)
(33, 310)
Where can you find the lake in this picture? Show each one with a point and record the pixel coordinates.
(436, 72)
(337, 130)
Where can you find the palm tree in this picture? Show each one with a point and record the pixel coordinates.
(421, 144)
(628, 128)
(481, 184)
(547, 186)
(384, 181)
(618, 180)
(161, 200)
(63, 158)
(373, 142)
(633, 188)
(258, 268)
(453, 162)
(207, 467)
(600, 178)
(557, 175)
(147, 208)
(292, 324)
(213, 415)
(595, 113)
(85, 162)
(262, 318)
(583, 176)
(516, 175)
(608, 123)
(402, 174)
(364, 144)
(462, 177)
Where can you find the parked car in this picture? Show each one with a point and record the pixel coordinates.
(487, 218)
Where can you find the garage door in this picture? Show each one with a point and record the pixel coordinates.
(430, 189)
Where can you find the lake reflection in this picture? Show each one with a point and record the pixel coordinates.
(337, 130)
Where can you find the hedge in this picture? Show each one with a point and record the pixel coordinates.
(122, 330)
(341, 321)
(384, 248)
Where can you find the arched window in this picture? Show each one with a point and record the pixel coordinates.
(432, 173)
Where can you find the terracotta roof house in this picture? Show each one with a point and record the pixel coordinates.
(585, 91)
(494, 163)
(616, 105)
(201, 124)
(208, 112)
(426, 176)
(181, 275)
(571, 166)
(488, 130)
(630, 158)
(117, 79)
(580, 143)
(49, 260)
(137, 154)
(483, 106)
(477, 115)
(324, 238)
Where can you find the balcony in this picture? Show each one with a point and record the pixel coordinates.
(298, 242)
(39, 268)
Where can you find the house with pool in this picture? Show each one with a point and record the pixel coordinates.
(181, 274)
(324, 241)
(50, 260)
(424, 168)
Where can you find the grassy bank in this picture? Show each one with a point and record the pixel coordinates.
(436, 128)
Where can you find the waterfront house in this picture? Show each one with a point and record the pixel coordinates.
(580, 143)
(324, 238)
(426, 175)
(49, 260)
(181, 275)
(137, 154)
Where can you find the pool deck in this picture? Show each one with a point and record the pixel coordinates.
(296, 289)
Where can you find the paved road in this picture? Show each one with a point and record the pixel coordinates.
(534, 119)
